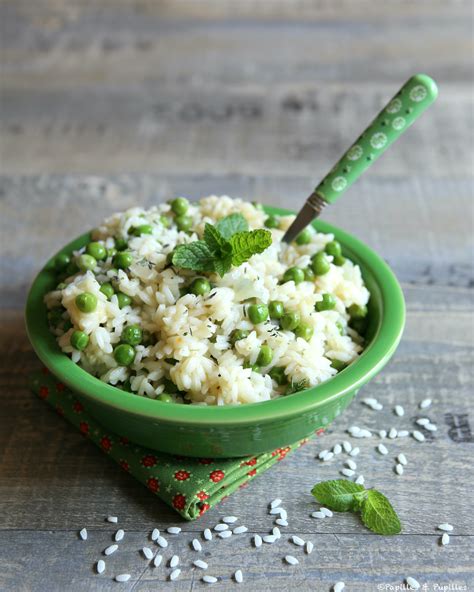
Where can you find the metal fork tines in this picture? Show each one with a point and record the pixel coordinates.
(311, 210)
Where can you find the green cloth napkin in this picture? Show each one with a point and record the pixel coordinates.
(189, 485)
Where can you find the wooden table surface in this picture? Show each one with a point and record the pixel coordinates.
(110, 104)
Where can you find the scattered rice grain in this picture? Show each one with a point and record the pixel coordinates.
(445, 526)
(157, 560)
(399, 410)
(147, 552)
(174, 561)
(207, 534)
(347, 446)
(291, 560)
(402, 459)
(238, 576)
(418, 436)
(393, 433)
(277, 501)
(110, 549)
(100, 566)
(318, 515)
(257, 541)
(229, 519)
(309, 547)
(297, 540)
(412, 583)
(112, 519)
(196, 545)
(382, 449)
(83, 534)
(425, 403)
(337, 449)
(155, 533)
(119, 535)
(162, 542)
(200, 563)
(221, 527)
(269, 539)
(174, 575)
(122, 577)
(399, 469)
(347, 472)
(173, 530)
(338, 587)
(327, 512)
(281, 522)
(240, 530)
(209, 579)
(355, 451)
(360, 480)
(351, 464)
(225, 534)
(445, 539)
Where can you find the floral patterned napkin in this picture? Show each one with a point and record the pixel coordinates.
(189, 485)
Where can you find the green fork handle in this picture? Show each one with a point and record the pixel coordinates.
(406, 106)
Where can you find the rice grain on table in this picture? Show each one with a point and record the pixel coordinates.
(281, 522)
(291, 560)
(431, 427)
(155, 534)
(382, 449)
(269, 539)
(295, 539)
(196, 545)
(322, 454)
(328, 456)
(275, 503)
(422, 421)
(337, 449)
(209, 579)
(284, 514)
(350, 464)
(207, 534)
(338, 587)
(347, 472)
(412, 583)
(318, 515)
(418, 436)
(425, 403)
(393, 433)
(327, 512)
(403, 434)
(399, 410)
(226, 534)
(200, 563)
(112, 519)
(83, 534)
(238, 576)
(355, 451)
(229, 519)
(240, 530)
(119, 535)
(276, 532)
(122, 577)
(309, 547)
(157, 560)
(173, 530)
(257, 541)
(221, 527)
(110, 549)
(162, 542)
(445, 539)
(147, 552)
(445, 526)
(399, 469)
(360, 480)
(174, 561)
(174, 575)
(347, 446)
(382, 434)
(100, 566)
(402, 459)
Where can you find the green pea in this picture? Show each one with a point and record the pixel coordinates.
(200, 286)
(359, 325)
(357, 311)
(71, 269)
(86, 262)
(107, 290)
(333, 248)
(184, 223)
(86, 302)
(338, 365)
(123, 260)
(132, 334)
(272, 222)
(179, 205)
(79, 340)
(123, 300)
(320, 263)
(290, 320)
(327, 303)
(169, 385)
(55, 316)
(304, 331)
(124, 354)
(295, 274)
(121, 244)
(96, 250)
(304, 237)
(164, 398)
(254, 367)
(277, 373)
(276, 309)
(142, 229)
(340, 327)
(265, 356)
(62, 261)
(111, 252)
(239, 334)
(309, 274)
(339, 260)
(165, 221)
(258, 313)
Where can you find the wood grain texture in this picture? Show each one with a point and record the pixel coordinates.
(105, 106)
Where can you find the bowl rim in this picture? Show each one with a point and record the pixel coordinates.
(372, 359)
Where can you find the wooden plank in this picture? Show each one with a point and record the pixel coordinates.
(365, 561)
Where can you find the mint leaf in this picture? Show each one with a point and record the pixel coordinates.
(222, 266)
(378, 514)
(232, 224)
(246, 244)
(196, 255)
(339, 495)
(214, 239)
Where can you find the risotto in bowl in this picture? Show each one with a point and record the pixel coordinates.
(191, 328)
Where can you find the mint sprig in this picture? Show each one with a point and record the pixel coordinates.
(227, 243)
(376, 511)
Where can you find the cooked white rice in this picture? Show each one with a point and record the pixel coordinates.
(194, 332)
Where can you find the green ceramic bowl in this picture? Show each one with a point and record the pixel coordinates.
(234, 430)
